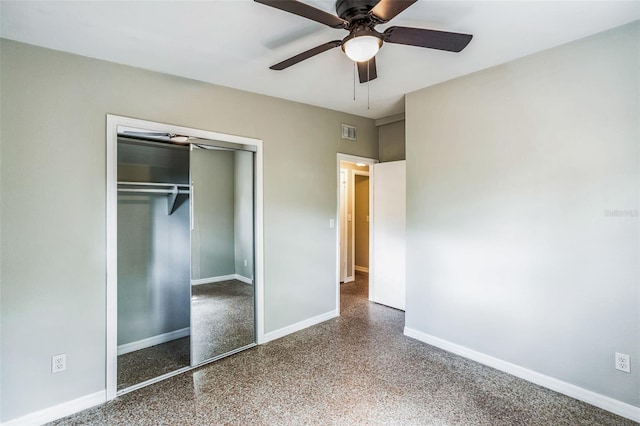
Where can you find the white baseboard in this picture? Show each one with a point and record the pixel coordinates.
(153, 340)
(349, 279)
(606, 403)
(58, 411)
(213, 279)
(243, 279)
(221, 278)
(361, 269)
(268, 337)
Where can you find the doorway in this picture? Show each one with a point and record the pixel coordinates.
(175, 202)
(353, 234)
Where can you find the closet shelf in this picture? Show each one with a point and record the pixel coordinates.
(172, 190)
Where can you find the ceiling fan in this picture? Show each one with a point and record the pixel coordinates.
(360, 17)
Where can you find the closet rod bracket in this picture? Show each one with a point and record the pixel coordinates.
(171, 201)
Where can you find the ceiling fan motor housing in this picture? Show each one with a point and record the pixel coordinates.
(355, 11)
(361, 31)
(360, 22)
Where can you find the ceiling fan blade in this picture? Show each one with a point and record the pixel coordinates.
(367, 70)
(306, 11)
(432, 39)
(386, 10)
(306, 55)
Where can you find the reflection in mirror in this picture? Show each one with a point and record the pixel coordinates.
(222, 248)
(153, 260)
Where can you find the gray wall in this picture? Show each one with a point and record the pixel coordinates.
(512, 250)
(52, 206)
(391, 140)
(212, 237)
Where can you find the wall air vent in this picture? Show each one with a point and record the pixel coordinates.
(349, 132)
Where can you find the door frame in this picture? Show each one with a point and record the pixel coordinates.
(342, 219)
(370, 162)
(112, 123)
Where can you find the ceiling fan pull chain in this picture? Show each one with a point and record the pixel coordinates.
(368, 86)
(354, 81)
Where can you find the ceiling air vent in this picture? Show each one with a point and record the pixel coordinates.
(348, 132)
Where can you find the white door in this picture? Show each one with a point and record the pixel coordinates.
(343, 225)
(389, 213)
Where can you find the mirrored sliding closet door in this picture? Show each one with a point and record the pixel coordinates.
(185, 228)
(222, 293)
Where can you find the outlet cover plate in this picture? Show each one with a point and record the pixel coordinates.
(622, 362)
(58, 363)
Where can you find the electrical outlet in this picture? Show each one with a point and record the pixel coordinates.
(622, 362)
(246, 263)
(58, 363)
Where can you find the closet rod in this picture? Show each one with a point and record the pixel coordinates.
(153, 184)
(170, 189)
(154, 191)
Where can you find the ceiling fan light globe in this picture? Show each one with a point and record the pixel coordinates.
(362, 48)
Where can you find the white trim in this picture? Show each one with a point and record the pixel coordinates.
(243, 279)
(258, 280)
(356, 159)
(58, 411)
(205, 135)
(112, 214)
(343, 206)
(112, 258)
(211, 280)
(361, 269)
(268, 337)
(221, 278)
(606, 403)
(153, 340)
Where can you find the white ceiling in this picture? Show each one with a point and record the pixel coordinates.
(233, 42)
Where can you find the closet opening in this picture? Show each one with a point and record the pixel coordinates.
(184, 249)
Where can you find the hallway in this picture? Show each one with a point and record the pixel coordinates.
(355, 369)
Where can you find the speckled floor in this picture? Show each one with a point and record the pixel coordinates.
(221, 318)
(357, 369)
(148, 363)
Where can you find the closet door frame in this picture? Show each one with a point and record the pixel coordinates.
(113, 121)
